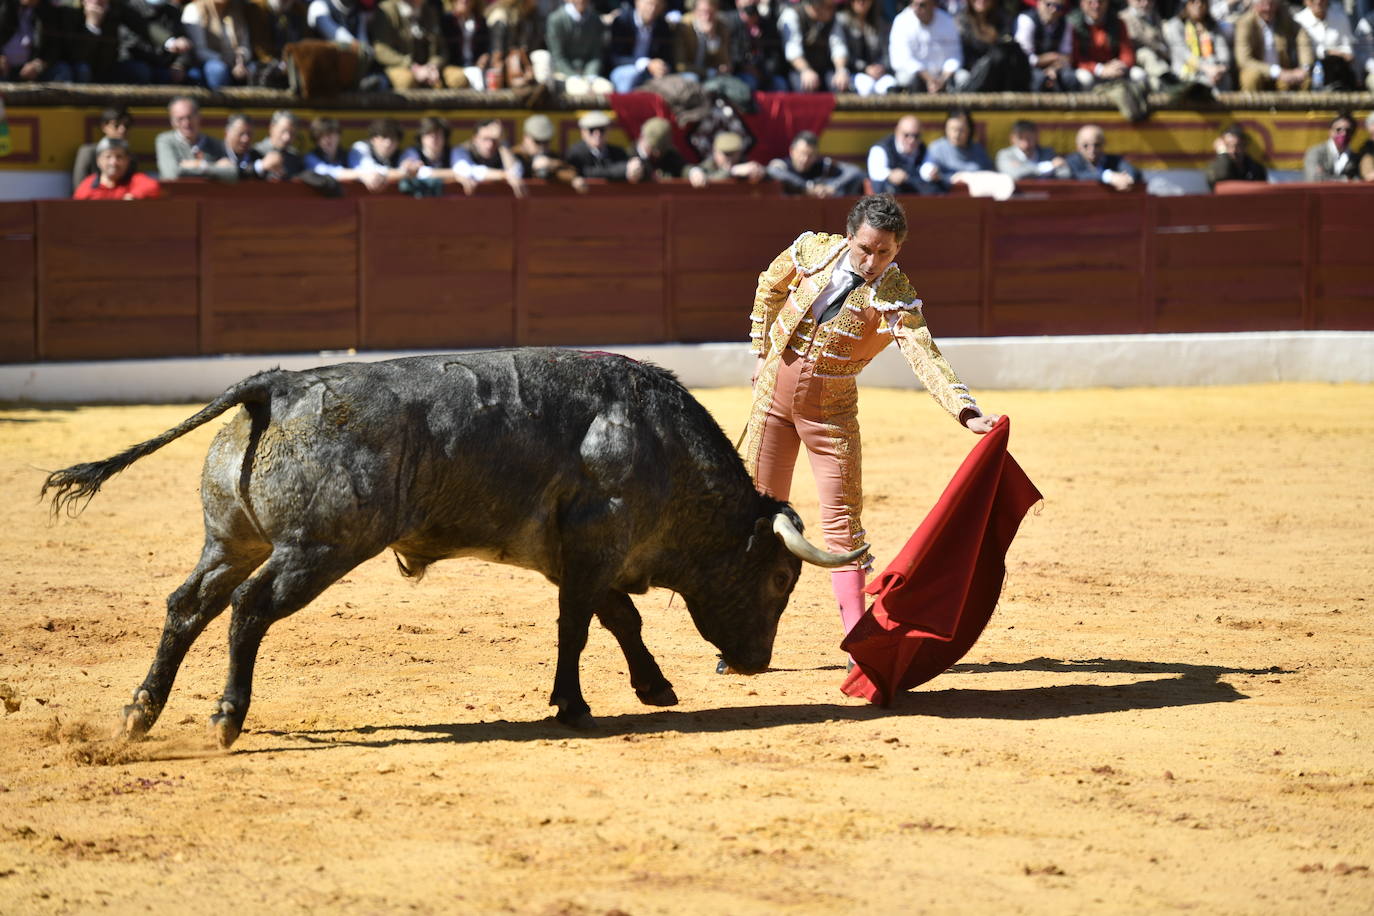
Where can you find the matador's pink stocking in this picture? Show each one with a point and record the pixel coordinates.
(848, 585)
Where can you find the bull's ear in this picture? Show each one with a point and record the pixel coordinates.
(763, 529)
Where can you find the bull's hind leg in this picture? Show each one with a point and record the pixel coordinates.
(199, 600)
(290, 579)
(621, 617)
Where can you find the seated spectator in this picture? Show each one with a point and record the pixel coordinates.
(1333, 45)
(281, 161)
(431, 147)
(32, 49)
(1333, 159)
(641, 45)
(806, 172)
(1364, 49)
(1367, 151)
(593, 156)
(1145, 30)
(109, 44)
(537, 157)
(1198, 51)
(409, 49)
(238, 147)
(1227, 13)
(1092, 162)
(272, 25)
(894, 162)
(517, 41)
(185, 151)
(173, 59)
(218, 30)
(1044, 35)
(953, 158)
(346, 25)
(701, 46)
(993, 61)
(727, 163)
(1272, 51)
(467, 42)
(574, 36)
(655, 150)
(924, 48)
(114, 124)
(376, 161)
(1102, 51)
(812, 46)
(866, 36)
(115, 178)
(1026, 158)
(756, 49)
(328, 158)
(1233, 161)
(486, 159)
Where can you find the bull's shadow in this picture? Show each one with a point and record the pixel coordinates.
(1165, 685)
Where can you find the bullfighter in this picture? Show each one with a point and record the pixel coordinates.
(823, 310)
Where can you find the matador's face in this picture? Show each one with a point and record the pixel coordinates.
(872, 251)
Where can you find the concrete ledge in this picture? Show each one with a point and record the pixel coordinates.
(1108, 361)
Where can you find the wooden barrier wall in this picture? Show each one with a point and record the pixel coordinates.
(98, 280)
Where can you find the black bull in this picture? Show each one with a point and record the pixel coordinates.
(602, 473)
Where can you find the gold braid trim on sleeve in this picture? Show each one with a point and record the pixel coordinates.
(775, 284)
(926, 361)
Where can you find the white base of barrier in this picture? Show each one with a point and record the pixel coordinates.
(1106, 361)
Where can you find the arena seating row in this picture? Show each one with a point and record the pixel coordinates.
(204, 275)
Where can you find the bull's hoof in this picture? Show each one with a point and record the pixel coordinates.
(225, 727)
(578, 718)
(723, 667)
(662, 696)
(138, 717)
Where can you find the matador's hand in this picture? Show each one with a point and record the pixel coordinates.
(984, 424)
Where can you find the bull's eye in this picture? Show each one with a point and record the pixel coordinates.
(781, 580)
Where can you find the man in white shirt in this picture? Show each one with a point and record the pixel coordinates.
(1333, 43)
(924, 47)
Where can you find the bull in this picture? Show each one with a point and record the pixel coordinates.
(600, 472)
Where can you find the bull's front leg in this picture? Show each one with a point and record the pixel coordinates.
(619, 615)
(575, 611)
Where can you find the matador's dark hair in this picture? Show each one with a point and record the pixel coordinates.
(881, 211)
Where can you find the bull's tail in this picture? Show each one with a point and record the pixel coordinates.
(75, 486)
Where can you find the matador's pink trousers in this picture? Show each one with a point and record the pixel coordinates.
(822, 413)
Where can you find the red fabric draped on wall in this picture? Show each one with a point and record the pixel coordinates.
(935, 598)
(780, 117)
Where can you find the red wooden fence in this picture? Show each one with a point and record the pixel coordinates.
(221, 274)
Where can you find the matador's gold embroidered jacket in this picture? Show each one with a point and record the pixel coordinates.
(842, 346)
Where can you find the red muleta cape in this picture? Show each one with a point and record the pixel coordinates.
(935, 598)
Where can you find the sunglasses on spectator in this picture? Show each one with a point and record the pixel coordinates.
(595, 130)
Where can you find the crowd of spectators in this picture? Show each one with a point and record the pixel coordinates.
(869, 47)
(900, 163)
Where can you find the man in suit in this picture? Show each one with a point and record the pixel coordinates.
(1333, 159)
(574, 35)
(407, 42)
(185, 151)
(593, 157)
(281, 160)
(1091, 162)
(1233, 163)
(641, 45)
(1272, 52)
(1026, 158)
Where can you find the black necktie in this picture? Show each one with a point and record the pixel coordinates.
(851, 283)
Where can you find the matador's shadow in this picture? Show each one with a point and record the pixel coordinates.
(1165, 685)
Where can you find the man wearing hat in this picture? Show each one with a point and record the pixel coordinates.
(655, 149)
(115, 179)
(593, 157)
(537, 157)
(727, 163)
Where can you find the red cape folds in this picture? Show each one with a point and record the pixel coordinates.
(935, 598)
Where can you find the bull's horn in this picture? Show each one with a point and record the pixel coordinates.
(801, 547)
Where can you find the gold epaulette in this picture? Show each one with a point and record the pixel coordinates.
(895, 292)
(813, 250)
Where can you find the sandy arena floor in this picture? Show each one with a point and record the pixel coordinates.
(1171, 709)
